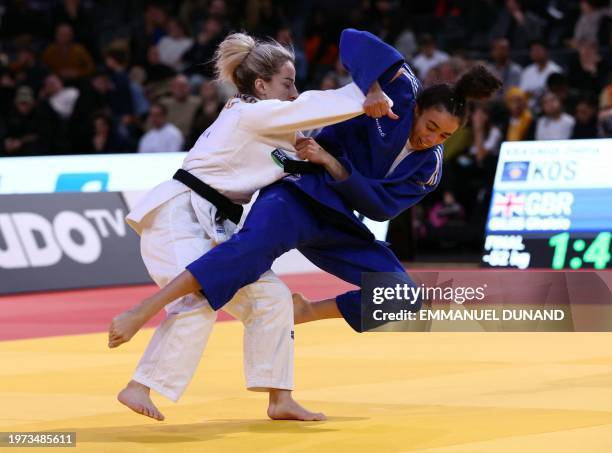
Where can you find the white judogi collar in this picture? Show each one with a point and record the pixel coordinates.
(405, 152)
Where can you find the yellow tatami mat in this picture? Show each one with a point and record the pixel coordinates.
(382, 392)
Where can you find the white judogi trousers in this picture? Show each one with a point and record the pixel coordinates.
(173, 236)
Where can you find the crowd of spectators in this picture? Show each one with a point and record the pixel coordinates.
(85, 76)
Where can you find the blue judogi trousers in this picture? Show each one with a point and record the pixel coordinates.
(284, 218)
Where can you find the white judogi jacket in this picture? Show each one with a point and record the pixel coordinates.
(234, 155)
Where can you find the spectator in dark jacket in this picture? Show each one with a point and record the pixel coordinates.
(24, 126)
(105, 138)
(94, 98)
(27, 70)
(198, 58)
(586, 119)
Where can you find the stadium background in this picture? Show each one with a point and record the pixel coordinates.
(94, 78)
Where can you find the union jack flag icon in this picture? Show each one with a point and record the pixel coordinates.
(508, 205)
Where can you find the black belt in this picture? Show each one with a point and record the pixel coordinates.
(299, 166)
(292, 166)
(224, 205)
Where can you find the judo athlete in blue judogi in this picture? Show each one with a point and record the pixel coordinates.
(376, 167)
(390, 165)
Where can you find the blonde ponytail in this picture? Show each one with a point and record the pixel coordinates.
(240, 59)
(231, 53)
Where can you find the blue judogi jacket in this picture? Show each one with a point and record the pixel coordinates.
(367, 147)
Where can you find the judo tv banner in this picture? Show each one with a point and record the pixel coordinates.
(473, 301)
(65, 241)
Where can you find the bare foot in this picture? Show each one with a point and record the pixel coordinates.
(302, 309)
(124, 326)
(136, 397)
(282, 406)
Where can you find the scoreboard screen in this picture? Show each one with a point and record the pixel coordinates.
(551, 206)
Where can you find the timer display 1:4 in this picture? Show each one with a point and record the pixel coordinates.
(596, 253)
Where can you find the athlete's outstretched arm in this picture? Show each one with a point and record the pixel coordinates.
(371, 62)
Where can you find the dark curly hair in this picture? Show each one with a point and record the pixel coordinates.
(477, 83)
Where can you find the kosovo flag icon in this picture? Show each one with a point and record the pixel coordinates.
(515, 171)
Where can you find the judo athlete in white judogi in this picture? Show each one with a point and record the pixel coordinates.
(236, 156)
